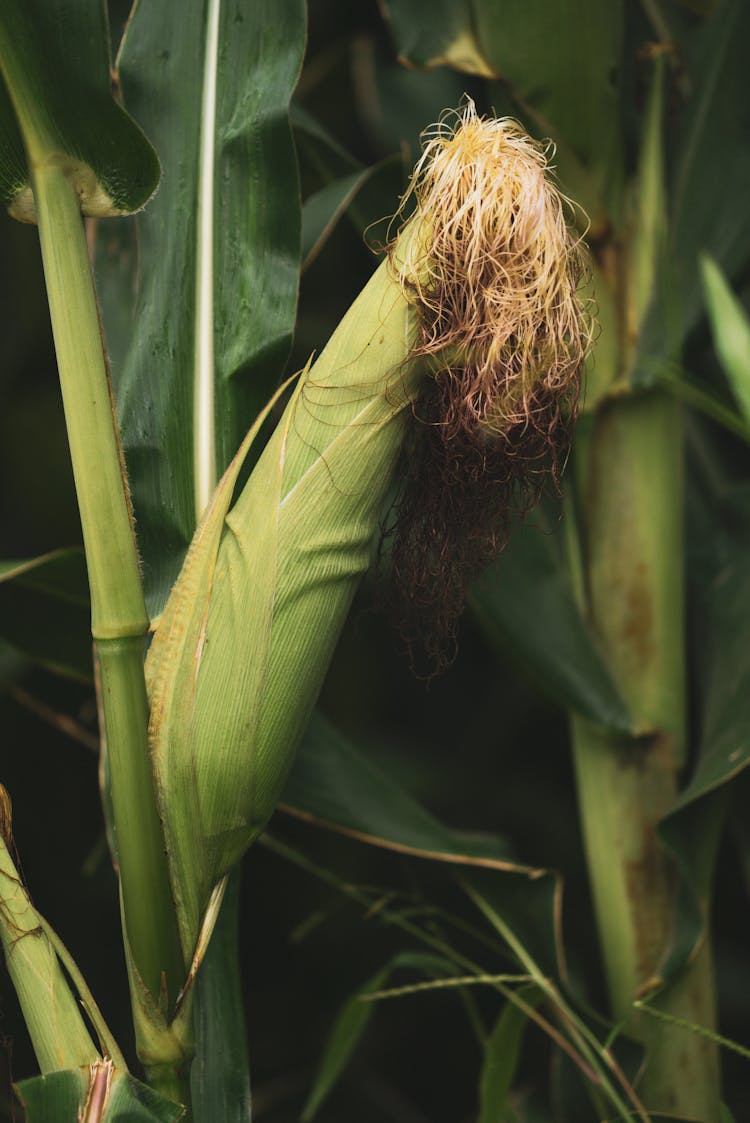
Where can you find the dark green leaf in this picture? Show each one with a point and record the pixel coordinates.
(321, 150)
(720, 587)
(714, 134)
(219, 1076)
(322, 210)
(525, 911)
(524, 604)
(54, 58)
(334, 784)
(720, 581)
(563, 62)
(405, 102)
(353, 1019)
(500, 1062)
(247, 254)
(45, 612)
(441, 35)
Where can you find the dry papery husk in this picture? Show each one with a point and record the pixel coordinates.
(495, 276)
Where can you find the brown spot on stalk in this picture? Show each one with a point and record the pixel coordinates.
(493, 272)
(6, 818)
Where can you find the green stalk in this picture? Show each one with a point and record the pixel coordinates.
(52, 1015)
(634, 550)
(119, 621)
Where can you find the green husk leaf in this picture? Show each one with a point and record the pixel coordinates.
(263, 594)
(55, 92)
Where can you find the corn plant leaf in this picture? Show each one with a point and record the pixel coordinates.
(341, 184)
(526, 912)
(219, 1079)
(353, 1019)
(562, 64)
(45, 611)
(318, 147)
(54, 61)
(524, 604)
(720, 584)
(719, 525)
(209, 272)
(731, 331)
(446, 38)
(322, 210)
(333, 784)
(501, 1055)
(711, 133)
(61, 1097)
(649, 221)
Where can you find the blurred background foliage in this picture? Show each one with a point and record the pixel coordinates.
(484, 748)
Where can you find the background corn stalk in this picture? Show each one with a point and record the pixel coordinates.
(562, 84)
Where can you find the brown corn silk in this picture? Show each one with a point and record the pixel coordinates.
(494, 279)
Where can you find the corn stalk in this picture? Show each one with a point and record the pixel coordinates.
(631, 505)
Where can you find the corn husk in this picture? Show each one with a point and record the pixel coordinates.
(247, 635)
(248, 632)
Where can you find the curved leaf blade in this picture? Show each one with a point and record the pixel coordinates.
(731, 331)
(501, 1056)
(322, 210)
(720, 585)
(447, 37)
(333, 784)
(563, 61)
(525, 606)
(562, 65)
(54, 59)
